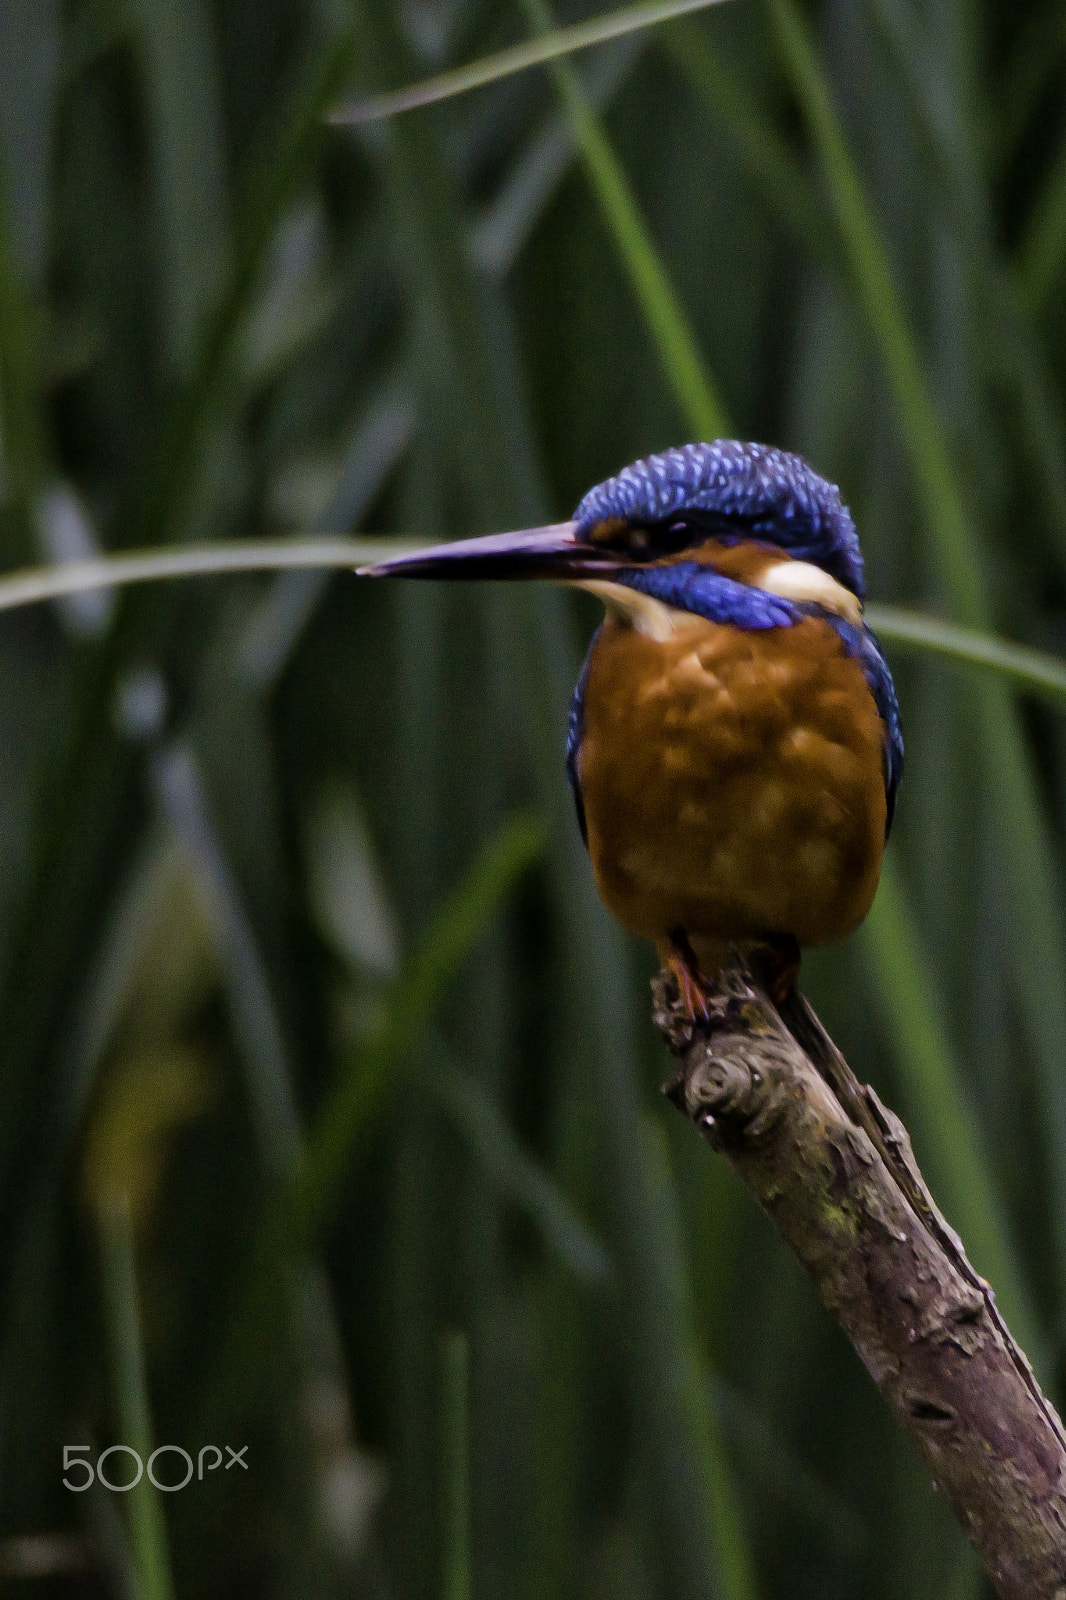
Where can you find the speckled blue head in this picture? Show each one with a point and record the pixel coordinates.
(729, 489)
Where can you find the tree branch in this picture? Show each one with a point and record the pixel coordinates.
(833, 1169)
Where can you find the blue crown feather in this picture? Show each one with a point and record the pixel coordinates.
(734, 489)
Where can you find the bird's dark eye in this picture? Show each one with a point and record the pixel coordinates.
(649, 540)
(667, 538)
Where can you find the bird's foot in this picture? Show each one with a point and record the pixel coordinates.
(779, 963)
(681, 962)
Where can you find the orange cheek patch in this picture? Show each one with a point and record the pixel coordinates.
(745, 562)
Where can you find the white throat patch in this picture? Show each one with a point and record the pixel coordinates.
(649, 616)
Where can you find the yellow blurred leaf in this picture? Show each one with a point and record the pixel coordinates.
(144, 1100)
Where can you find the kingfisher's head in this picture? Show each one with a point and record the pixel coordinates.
(726, 491)
(685, 505)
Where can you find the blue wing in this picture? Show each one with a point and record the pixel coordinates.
(574, 725)
(864, 647)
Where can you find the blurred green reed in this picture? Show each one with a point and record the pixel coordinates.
(146, 1520)
(455, 1408)
(347, 1122)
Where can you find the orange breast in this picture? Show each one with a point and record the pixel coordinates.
(732, 781)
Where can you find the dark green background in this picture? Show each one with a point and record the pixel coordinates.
(364, 1129)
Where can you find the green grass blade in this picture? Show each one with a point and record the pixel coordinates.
(1016, 357)
(704, 411)
(341, 1126)
(884, 311)
(1035, 672)
(1022, 80)
(1041, 251)
(147, 1525)
(283, 157)
(376, 445)
(192, 561)
(22, 436)
(499, 232)
(29, 62)
(770, 162)
(935, 1109)
(519, 1176)
(688, 1376)
(455, 1371)
(31, 40)
(92, 766)
(188, 185)
(182, 799)
(346, 1115)
(529, 53)
(774, 1467)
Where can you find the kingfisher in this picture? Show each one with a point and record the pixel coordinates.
(734, 744)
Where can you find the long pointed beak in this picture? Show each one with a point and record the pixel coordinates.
(551, 552)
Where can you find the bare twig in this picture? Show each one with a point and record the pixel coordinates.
(834, 1170)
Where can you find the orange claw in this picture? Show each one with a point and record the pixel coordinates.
(681, 961)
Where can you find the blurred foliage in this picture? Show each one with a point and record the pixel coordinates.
(328, 1121)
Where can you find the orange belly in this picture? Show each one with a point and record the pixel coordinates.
(733, 782)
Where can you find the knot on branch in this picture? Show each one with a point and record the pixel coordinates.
(734, 1066)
